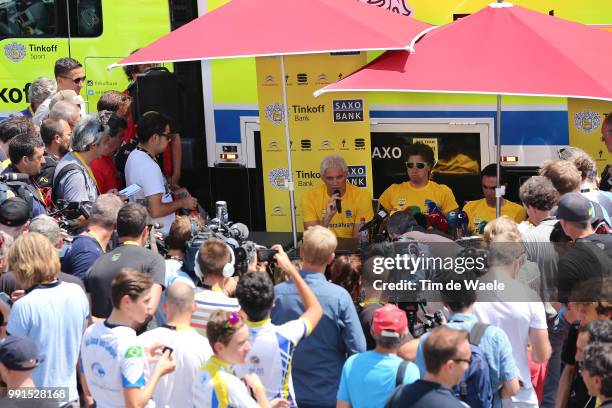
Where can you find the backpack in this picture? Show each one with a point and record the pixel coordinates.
(475, 386)
(59, 176)
(10, 189)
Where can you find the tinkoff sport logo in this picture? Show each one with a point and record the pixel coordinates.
(15, 51)
(278, 177)
(274, 113)
(587, 121)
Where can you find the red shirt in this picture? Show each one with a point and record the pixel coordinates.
(106, 174)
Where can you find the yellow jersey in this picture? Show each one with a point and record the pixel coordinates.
(356, 204)
(398, 197)
(478, 211)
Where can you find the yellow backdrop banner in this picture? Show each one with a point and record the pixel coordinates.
(585, 118)
(318, 127)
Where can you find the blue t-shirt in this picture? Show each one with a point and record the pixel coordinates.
(53, 316)
(368, 379)
(82, 254)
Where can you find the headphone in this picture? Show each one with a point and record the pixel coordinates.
(228, 268)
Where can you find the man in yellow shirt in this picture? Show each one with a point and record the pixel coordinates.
(319, 203)
(419, 188)
(483, 210)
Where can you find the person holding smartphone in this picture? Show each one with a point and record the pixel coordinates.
(228, 335)
(113, 363)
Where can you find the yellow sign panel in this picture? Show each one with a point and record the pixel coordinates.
(431, 142)
(331, 124)
(585, 118)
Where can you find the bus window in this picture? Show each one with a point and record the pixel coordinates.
(85, 18)
(21, 18)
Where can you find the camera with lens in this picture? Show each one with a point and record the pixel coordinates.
(235, 236)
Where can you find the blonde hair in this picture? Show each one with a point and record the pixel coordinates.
(33, 259)
(505, 248)
(318, 245)
(502, 225)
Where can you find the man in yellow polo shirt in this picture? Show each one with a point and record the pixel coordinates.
(419, 188)
(319, 203)
(483, 210)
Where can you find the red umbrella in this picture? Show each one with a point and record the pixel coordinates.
(248, 28)
(503, 50)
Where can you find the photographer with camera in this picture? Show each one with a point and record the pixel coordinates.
(319, 358)
(88, 246)
(133, 224)
(268, 357)
(214, 262)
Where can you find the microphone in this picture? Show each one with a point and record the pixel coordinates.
(338, 201)
(378, 218)
(239, 231)
(14, 177)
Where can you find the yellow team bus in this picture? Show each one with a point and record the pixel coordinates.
(35, 33)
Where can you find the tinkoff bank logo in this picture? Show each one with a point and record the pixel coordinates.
(15, 51)
(274, 113)
(279, 178)
(587, 121)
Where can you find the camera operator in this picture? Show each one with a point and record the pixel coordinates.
(88, 246)
(133, 231)
(73, 180)
(213, 264)
(268, 357)
(26, 154)
(141, 168)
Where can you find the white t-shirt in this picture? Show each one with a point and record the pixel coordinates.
(207, 301)
(191, 351)
(216, 386)
(112, 359)
(271, 353)
(141, 169)
(515, 319)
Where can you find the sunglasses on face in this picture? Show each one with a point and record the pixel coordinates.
(418, 165)
(76, 80)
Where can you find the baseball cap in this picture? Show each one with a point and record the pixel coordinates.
(14, 212)
(19, 353)
(67, 95)
(575, 207)
(389, 321)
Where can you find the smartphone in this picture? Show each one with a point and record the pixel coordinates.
(6, 300)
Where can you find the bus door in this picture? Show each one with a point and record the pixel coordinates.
(462, 147)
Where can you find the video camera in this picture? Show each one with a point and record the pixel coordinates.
(68, 214)
(234, 235)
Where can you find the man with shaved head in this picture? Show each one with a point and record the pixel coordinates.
(190, 349)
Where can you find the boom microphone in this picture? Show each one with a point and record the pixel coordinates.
(378, 218)
(338, 202)
(239, 231)
(14, 177)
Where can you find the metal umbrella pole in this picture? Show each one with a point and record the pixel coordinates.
(289, 163)
(498, 189)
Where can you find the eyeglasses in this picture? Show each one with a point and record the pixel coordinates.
(232, 320)
(76, 80)
(167, 136)
(419, 165)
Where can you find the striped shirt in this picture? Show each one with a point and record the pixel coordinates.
(207, 301)
(271, 354)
